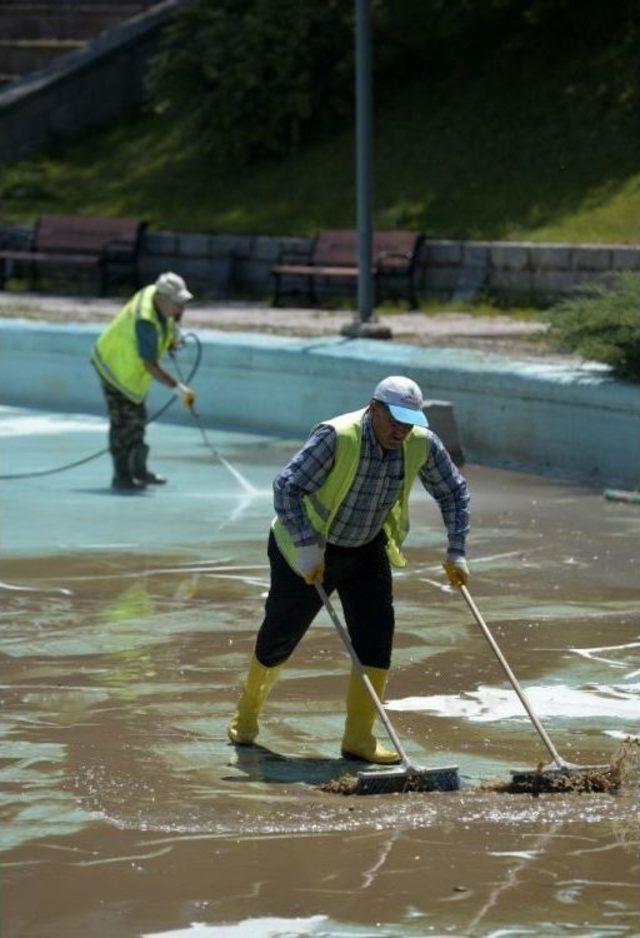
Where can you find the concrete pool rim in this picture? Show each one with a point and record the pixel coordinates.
(576, 422)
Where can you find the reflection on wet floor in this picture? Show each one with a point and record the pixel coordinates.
(125, 810)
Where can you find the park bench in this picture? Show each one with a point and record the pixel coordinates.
(104, 246)
(334, 256)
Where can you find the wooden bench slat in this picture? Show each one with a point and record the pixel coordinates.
(334, 255)
(50, 257)
(80, 241)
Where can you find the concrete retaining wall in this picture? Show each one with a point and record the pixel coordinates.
(219, 265)
(518, 271)
(578, 423)
(521, 270)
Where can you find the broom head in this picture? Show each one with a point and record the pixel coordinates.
(405, 779)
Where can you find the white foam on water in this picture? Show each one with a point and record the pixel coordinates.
(618, 734)
(13, 587)
(49, 424)
(487, 704)
(270, 927)
(615, 656)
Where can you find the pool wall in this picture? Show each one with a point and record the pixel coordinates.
(578, 423)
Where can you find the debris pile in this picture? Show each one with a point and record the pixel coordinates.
(623, 770)
(345, 785)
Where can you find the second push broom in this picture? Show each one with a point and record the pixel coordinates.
(559, 766)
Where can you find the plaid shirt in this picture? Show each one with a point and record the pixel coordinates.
(376, 486)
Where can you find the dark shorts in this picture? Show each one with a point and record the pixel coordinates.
(362, 578)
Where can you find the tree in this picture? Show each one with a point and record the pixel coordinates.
(249, 77)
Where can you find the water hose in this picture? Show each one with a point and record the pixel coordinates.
(102, 452)
(244, 483)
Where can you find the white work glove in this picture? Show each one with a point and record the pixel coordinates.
(188, 396)
(310, 563)
(456, 568)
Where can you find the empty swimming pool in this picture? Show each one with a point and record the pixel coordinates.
(126, 625)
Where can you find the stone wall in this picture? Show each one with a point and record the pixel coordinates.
(220, 266)
(216, 265)
(520, 270)
(515, 271)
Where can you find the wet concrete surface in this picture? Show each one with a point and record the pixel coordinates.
(126, 626)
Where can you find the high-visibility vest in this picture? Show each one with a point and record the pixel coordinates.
(115, 354)
(322, 505)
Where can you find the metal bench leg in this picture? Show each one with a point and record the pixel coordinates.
(311, 289)
(413, 296)
(276, 290)
(103, 278)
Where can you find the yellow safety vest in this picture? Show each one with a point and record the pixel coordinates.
(322, 506)
(115, 354)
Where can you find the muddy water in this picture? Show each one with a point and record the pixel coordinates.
(126, 813)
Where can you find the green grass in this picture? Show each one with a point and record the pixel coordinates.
(542, 148)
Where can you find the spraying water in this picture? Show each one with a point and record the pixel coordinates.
(237, 475)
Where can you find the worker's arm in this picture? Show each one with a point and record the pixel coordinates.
(181, 390)
(448, 487)
(303, 475)
(158, 372)
(147, 345)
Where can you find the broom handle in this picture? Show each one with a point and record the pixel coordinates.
(344, 635)
(544, 736)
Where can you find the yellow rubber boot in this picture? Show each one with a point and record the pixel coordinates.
(243, 728)
(358, 741)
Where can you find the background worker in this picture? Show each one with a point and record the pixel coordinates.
(127, 358)
(342, 512)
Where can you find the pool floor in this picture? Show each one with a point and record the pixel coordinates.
(127, 623)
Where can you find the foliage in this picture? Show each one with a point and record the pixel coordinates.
(482, 133)
(603, 325)
(255, 78)
(246, 77)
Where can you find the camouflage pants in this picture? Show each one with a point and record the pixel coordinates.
(126, 420)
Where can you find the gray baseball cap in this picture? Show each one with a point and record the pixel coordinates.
(403, 397)
(174, 288)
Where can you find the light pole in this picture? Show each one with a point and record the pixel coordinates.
(366, 324)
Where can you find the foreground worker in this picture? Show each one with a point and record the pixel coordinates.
(342, 512)
(127, 358)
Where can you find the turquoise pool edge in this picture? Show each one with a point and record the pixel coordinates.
(573, 422)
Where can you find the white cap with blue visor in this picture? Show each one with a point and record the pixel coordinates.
(403, 397)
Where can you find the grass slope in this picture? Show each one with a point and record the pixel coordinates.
(539, 148)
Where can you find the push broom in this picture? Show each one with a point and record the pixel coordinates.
(559, 766)
(402, 778)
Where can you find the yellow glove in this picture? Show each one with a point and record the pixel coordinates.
(188, 396)
(455, 566)
(310, 563)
